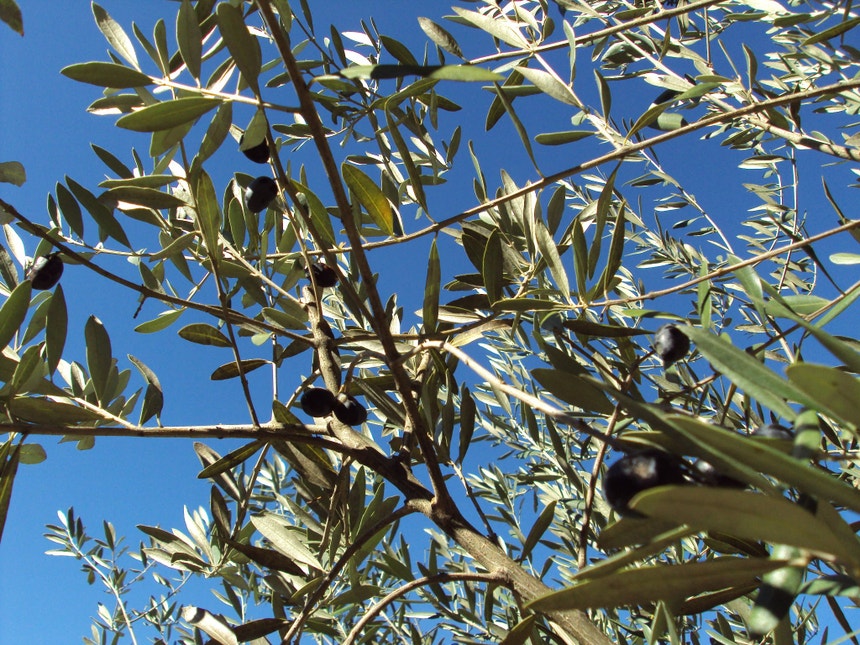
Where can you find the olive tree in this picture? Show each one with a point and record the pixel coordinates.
(518, 449)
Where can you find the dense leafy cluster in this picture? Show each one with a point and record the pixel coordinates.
(567, 354)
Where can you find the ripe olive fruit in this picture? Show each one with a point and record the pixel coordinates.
(258, 153)
(45, 271)
(260, 193)
(636, 472)
(350, 412)
(773, 431)
(324, 276)
(317, 402)
(670, 344)
(705, 473)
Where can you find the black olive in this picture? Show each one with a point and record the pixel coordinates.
(258, 153)
(324, 276)
(705, 473)
(637, 472)
(670, 344)
(317, 402)
(350, 412)
(773, 431)
(260, 193)
(45, 271)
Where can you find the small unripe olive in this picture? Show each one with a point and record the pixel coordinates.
(324, 276)
(258, 153)
(773, 431)
(670, 344)
(317, 402)
(350, 412)
(45, 271)
(260, 193)
(636, 472)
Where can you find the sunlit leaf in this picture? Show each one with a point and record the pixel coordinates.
(836, 392)
(167, 114)
(115, 35)
(743, 514)
(440, 36)
(747, 372)
(657, 582)
(370, 196)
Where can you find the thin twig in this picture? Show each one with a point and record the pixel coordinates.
(438, 578)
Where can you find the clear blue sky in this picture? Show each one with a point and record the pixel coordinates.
(45, 126)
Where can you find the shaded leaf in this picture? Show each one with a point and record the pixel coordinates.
(189, 38)
(232, 370)
(432, 284)
(13, 312)
(106, 75)
(12, 172)
(9, 458)
(204, 334)
(231, 459)
(56, 329)
(243, 47)
(99, 356)
(10, 13)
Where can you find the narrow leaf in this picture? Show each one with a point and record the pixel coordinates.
(659, 582)
(749, 374)
(106, 75)
(167, 114)
(204, 334)
(743, 514)
(115, 35)
(99, 356)
(13, 312)
(189, 38)
(370, 196)
(56, 328)
(232, 370)
(432, 285)
(244, 48)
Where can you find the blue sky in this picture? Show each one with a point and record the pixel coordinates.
(128, 481)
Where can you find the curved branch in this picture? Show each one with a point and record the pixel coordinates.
(438, 578)
(351, 550)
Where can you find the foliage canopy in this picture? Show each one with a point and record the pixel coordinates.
(499, 391)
